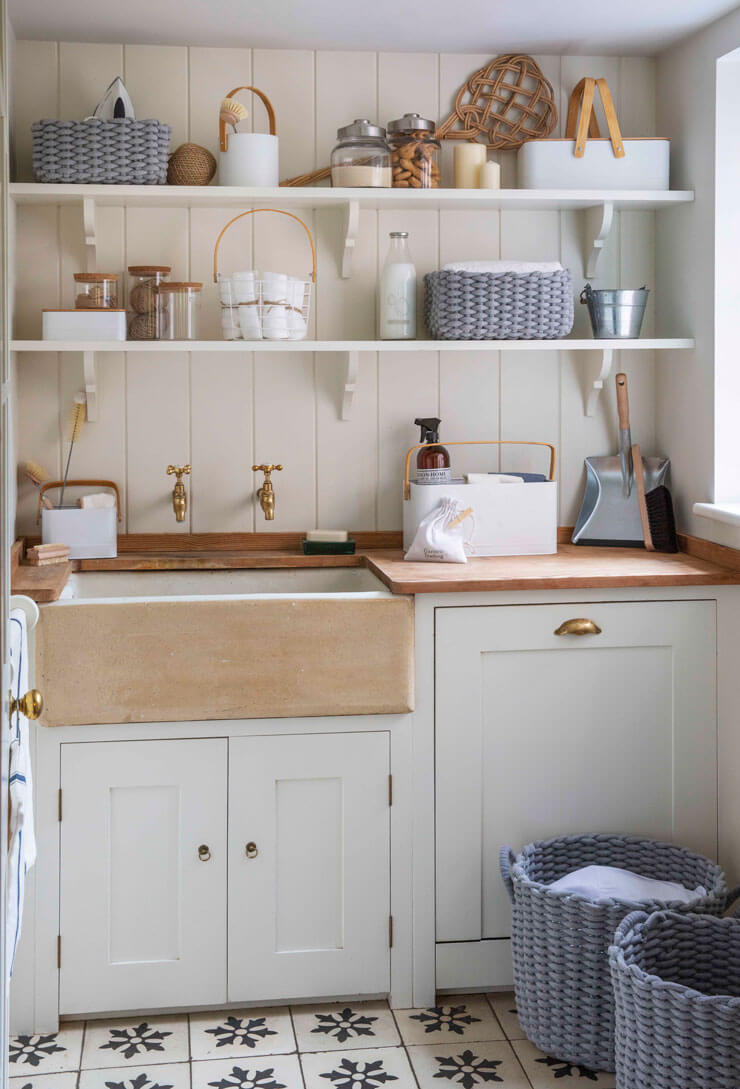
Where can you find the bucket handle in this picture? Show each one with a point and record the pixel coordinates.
(477, 442)
(506, 858)
(633, 919)
(78, 484)
(277, 211)
(223, 139)
(583, 96)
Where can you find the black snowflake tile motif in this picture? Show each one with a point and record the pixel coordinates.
(439, 1018)
(359, 1075)
(141, 1081)
(344, 1024)
(241, 1030)
(467, 1069)
(32, 1050)
(130, 1041)
(568, 1070)
(246, 1079)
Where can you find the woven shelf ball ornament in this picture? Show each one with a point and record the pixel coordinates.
(503, 105)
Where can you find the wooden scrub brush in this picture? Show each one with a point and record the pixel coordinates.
(232, 111)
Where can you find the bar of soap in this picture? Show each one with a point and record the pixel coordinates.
(327, 535)
(329, 548)
(491, 478)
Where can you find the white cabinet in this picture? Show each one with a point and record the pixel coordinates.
(143, 875)
(540, 734)
(309, 871)
(146, 845)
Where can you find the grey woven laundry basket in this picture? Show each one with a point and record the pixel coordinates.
(498, 305)
(560, 941)
(677, 993)
(118, 152)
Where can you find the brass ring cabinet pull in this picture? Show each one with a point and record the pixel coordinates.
(578, 626)
(204, 852)
(251, 850)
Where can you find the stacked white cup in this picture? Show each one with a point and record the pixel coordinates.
(275, 306)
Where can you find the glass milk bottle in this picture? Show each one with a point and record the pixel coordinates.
(397, 317)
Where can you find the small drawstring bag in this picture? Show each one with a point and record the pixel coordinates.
(442, 536)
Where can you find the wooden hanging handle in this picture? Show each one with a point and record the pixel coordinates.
(623, 403)
(475, 442)
(78, 484)
(277, 211)
(641, 501)
(583, 98)
(223, 140)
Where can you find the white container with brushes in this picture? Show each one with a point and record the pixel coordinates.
(246, 158)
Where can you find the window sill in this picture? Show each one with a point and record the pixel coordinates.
(727, 513)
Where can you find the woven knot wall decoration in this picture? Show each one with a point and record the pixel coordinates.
(507, 103)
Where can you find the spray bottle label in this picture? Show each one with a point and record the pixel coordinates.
(433, 476)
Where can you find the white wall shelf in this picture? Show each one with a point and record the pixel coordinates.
(599, 204)
(350, 350)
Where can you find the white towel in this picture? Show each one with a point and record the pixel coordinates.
(612, 883)
(22, 840)
(491, 478)
(522, 268)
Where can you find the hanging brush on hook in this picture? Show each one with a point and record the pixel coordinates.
(79, 415)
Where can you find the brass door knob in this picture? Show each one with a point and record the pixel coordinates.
(31, 705)
(578, 626)
(204, 852)
(251, 850)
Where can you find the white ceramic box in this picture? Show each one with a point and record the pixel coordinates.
(510, 519)
(552, 164)
(84, 325)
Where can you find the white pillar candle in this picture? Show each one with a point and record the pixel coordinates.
(468, 160)
(489, 176)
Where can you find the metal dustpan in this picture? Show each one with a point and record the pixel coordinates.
(610, 513)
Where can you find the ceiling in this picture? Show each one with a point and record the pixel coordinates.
(463, 26)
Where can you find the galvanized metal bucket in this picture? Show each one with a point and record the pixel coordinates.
(617, 313)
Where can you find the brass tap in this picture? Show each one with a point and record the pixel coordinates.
(179, 495)
(266, 494)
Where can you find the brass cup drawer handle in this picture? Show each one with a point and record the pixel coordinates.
(251, 850)
(204, 853)
(578, 626)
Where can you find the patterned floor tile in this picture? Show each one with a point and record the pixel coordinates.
(45, 1081)
(162, 1076)
(504, 1006)
(544, 1071)
(249, 1072)
(235, 1034)
(342, 1026)
(457, 1017)
(46, 1053)
(370, 1069)
(467, 1065)
(138, 1041)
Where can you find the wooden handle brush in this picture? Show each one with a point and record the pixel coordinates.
(78, 418)
(38, 476)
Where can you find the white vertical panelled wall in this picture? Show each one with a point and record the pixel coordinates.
(224, 412)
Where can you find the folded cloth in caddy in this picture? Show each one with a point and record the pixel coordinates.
(613, 883)
(521, 268)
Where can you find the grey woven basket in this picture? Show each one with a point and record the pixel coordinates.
(498, 306)
(560, 941)
(118, 152)
(677, 992)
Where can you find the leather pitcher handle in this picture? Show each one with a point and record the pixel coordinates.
(223, 140)
(583, 98)
(78, 484)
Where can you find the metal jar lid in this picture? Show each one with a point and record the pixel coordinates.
(411, 122)
(361, 127)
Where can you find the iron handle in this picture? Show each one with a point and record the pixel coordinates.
(204, 852)
(251, 850)
(578, 626)
(31, 705)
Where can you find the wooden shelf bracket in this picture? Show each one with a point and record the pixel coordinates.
(351, 379)
(351, 230)
(90, 371)
(89, 227)
(599, 223)
(597, 385)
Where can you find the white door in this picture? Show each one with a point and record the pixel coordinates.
(541, 735)
(143, 875)
(309, 866)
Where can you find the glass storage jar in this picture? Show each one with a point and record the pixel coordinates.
(144, 313)
(96, 291)
(179, 304)
(361, 158)
(414, 152)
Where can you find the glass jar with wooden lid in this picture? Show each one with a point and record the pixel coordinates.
(143, 300)
(178, 309)
(96, 291)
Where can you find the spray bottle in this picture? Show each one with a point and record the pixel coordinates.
(433, 460)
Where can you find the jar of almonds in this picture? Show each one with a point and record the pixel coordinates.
(414, 152)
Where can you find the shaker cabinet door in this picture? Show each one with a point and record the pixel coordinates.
(143, 875)
(309, 866)
(541, 735)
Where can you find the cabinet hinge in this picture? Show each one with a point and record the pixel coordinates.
(390, 931)
(60, 805)
(59, 950)
(390, 790)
